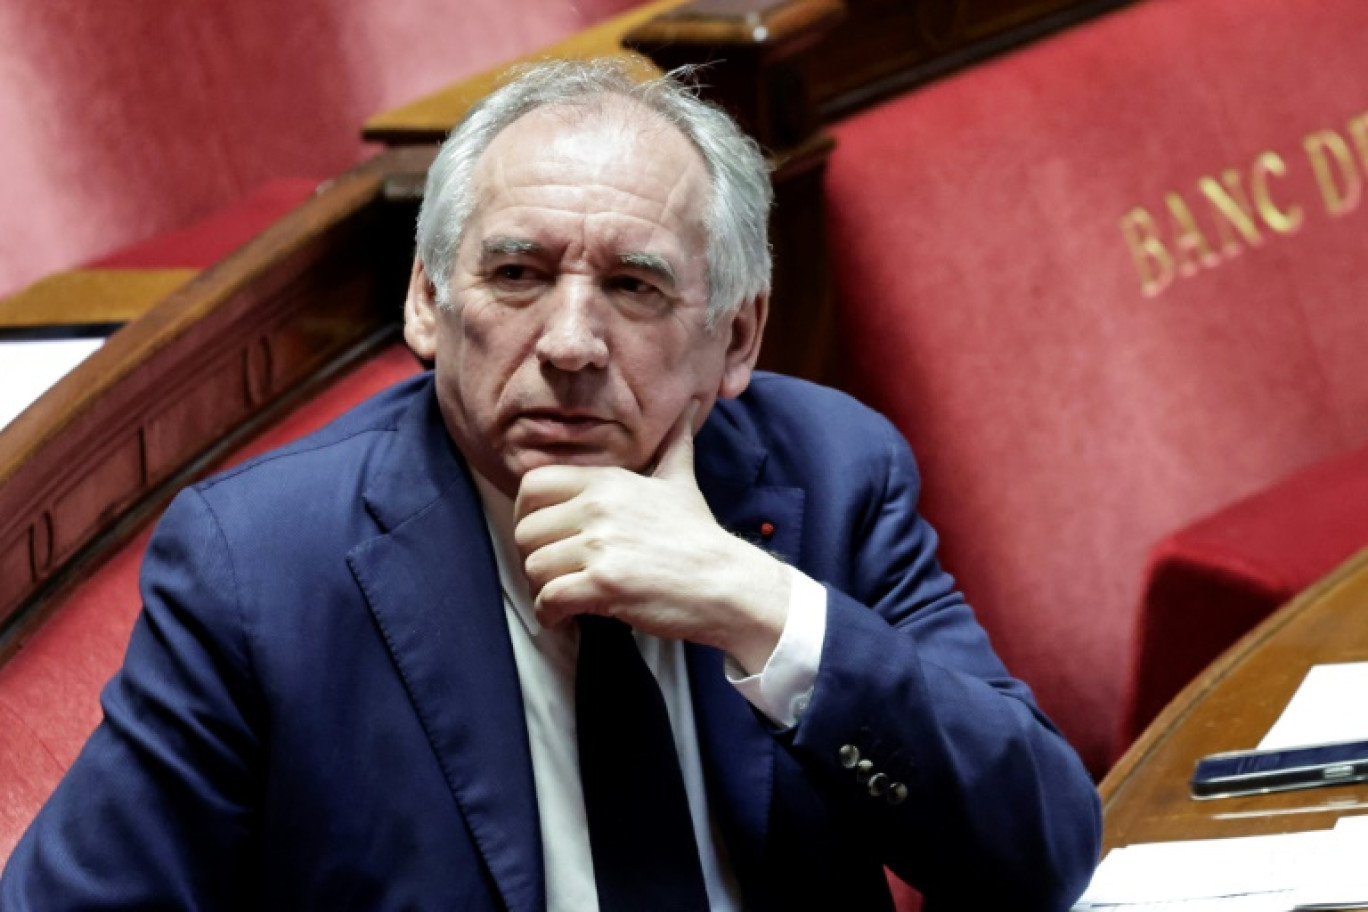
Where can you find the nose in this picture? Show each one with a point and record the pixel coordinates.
(572, 337)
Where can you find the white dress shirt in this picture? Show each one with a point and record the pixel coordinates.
(546, 673)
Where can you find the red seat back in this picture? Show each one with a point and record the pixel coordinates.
(1105, 285)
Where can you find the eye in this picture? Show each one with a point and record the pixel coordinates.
(512, 273)
(632, 285)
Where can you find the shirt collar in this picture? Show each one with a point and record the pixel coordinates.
(498, 513)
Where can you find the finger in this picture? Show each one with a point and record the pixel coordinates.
(565, 597)
(549, 524)
(676, 455)
(548, 485)
(560, 558)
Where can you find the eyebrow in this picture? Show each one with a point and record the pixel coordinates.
(649, 262)
(507, 246)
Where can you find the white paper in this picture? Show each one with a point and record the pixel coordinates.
(1205, 869)
(1314, 871)
(1337, 877)
(1329, 706)
(29, 368)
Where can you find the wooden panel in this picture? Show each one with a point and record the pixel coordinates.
(199, 372)
(799, 336)
(94, 497)
(16, 564)
(204, 408)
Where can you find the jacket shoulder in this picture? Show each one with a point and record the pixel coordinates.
(813, 423)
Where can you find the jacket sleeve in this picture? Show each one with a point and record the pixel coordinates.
(154, 812)
(970, 791)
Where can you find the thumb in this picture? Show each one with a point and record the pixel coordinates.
(676, 459)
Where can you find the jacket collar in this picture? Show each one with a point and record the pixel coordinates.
(431, 583)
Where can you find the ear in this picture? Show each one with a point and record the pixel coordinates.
(420, 313)
(745, 330)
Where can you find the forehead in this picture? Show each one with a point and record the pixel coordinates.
(610, 153)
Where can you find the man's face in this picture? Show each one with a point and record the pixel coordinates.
(577, 327)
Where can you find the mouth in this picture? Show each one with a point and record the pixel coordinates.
(550, 426)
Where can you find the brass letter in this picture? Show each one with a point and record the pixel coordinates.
(1231, 207)
(1192, 249)
(1358, 129)
(1283, 222)
(1338, 201)
(1146, 248)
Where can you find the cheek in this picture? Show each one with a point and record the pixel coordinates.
(492, 349)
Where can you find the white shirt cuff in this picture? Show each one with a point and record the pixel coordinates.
(783, 687)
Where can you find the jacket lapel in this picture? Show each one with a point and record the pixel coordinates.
(432, 585)
(736, 746)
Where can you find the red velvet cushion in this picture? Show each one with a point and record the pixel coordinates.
(1211, 582)
(1064, 419)
(206, 242)
(49, 691)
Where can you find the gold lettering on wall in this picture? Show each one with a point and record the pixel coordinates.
(1191, 249)
(1340, 184)
(1358, 132)
(1241, 208)
(1151, 256)
(1232, 207)
(1283, 221)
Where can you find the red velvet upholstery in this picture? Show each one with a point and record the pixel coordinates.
(1211, 582)
(49, 690)
(1068, 408)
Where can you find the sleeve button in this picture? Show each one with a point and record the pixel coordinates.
(878, 784)
(863, 770)
(850, 755)
(896, 794)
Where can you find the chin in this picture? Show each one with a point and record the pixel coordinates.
(570, 456)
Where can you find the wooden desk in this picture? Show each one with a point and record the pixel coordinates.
(1230, 707)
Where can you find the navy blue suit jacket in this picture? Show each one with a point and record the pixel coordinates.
(319, 708)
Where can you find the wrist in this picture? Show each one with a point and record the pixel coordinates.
(761, 593)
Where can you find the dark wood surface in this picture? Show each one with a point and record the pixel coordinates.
(1230, 707)
(201, 371)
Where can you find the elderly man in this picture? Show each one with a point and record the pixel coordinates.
(508, 637)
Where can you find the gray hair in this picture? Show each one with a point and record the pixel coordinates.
(737, 215)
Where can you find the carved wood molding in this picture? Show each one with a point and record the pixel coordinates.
(747, 48)
(198, 373)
